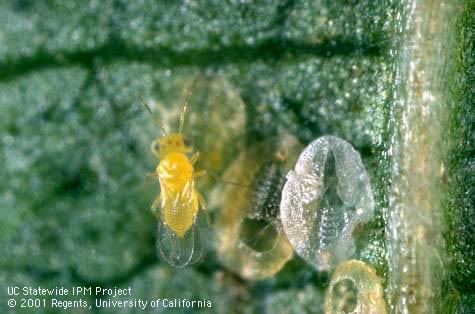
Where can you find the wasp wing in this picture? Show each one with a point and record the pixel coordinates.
(180, 251)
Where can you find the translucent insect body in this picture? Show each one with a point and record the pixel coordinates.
(355, 288)
(180, 227)
(251, 241)
(324, 199)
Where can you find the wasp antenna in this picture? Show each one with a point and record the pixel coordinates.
(154, 117)
(215, 176)
(186, 102)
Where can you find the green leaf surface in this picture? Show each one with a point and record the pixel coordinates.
(74, 139)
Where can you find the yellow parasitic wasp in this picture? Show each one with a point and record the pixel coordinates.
(181, 238)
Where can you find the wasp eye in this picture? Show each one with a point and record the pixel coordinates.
(156, 147)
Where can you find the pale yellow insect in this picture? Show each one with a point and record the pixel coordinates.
(181, 239)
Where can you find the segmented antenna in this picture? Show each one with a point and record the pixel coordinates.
(154, 117)
(186, 102)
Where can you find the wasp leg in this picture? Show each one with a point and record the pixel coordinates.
(201, 201)
(203, 205)
(200, 173)
(149, 176)
(156, 205)
(215, 176)
(195, 157)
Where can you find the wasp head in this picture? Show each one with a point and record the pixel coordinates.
(172, 143)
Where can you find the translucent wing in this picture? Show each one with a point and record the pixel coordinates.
(180, 251)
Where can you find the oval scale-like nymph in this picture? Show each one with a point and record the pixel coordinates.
(355, 288)
(250, 239)
(325, 199)
(180, 238)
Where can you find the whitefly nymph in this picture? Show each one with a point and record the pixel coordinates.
(325, 198)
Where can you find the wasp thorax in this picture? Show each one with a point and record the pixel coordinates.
(175, 169)
(175, 164)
